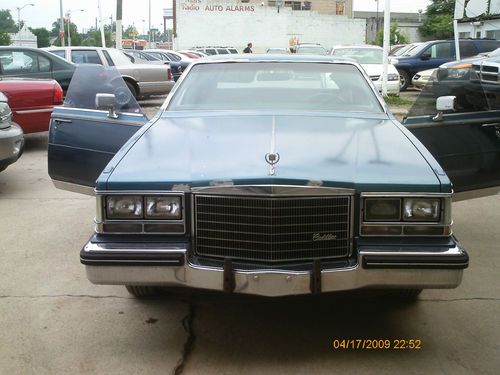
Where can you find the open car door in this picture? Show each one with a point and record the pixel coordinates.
(99, 115)
(465, 138)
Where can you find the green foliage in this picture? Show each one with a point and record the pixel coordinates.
(7, 24)
(396, 36)
(439, 22)
(4, 39)
(130, 32)
(93, 38)
(43, 36)
(76, 38)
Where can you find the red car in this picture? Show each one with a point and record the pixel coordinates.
(32, 101)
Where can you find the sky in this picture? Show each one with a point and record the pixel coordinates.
(135, 12)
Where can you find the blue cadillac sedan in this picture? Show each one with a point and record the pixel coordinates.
(265, 175)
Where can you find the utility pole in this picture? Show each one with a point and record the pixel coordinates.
(61, 25)
(387, 40)
(103, 38)
(119, 7)
(149, 28)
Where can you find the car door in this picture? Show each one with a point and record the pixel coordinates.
(465, 142)
(435, 55)
(83, 138)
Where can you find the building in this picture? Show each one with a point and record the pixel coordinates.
(24, 38)
(265, 23)
(408, 24)
(479, 20)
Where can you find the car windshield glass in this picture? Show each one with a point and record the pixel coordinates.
(118, 57)
(89, 80)
(415, 50)
(275, 86)
(361, 55)
(494, 53)
(311, 50)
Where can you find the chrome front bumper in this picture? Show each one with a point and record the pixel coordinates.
(162, 266)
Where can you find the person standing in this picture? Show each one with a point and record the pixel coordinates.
(248, 49)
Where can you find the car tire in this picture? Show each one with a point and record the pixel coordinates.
(404, 80)
(142, 291)
(132, 89)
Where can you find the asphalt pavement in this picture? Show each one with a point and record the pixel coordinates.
(54, 321)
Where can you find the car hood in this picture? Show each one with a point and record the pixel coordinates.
(378, 69)
(180, 149)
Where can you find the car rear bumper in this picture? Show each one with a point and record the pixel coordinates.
(134, 264)
(392, 87)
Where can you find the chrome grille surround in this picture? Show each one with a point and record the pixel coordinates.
(272, 224)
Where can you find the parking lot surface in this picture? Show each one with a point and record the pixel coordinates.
(54, 321)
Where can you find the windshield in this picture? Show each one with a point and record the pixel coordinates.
(361, 55)
(89, 80)
(275, 86)
(118, 57)
(311, 50)
(415, 50)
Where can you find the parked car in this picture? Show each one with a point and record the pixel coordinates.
(141, 79)
(310, 49)
(432, 54)
(396, 47)
(11, 136)
(371, 59)
(189, 54)
(27, 62)
(216, 50)
(197, 53)
(405, 51)
(32, 101)
(422, 79)
(179, 63)
(140, 57)
(483, 88)
(278, 50)
(272, 176)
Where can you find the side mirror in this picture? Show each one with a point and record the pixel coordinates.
(425, 56)
(106, 101)
(444, 103)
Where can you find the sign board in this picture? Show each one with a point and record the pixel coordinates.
(168, 14)
(476, 8)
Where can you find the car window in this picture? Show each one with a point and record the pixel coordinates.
(173, 56)
(210, 51)
(59, 52)
(108, 58)
(222, 51)
(361, 55)
(439, 50)
(85, 57)
(275, 86)
(43, 64)
(467, 49)
(159, 56)
(233, 50)
(19, 62)
(488, 45)
(118, 57)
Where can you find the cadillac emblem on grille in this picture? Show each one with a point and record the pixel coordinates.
(272, 229)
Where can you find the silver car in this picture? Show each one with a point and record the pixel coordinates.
(141, 79)
(11, 136)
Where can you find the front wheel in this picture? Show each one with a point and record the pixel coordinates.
(142, 291)
(404, 80)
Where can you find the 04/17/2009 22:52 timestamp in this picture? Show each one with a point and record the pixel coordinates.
(377, 344)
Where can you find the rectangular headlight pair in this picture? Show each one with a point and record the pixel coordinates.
(402, 209)
(133, 207)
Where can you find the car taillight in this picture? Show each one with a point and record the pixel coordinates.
(170, 76)
(58, 95)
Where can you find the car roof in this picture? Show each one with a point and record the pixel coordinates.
(367, 46)
(269, 57)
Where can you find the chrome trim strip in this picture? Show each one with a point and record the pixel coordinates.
(28, 111)
(106, 120)
(273, 190)
(277, 282)
(100, 111)
(75, 188)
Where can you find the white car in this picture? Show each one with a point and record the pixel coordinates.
(421, 79)
(370, 58)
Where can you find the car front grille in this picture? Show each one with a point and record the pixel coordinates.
(272, 229)
(486, 73)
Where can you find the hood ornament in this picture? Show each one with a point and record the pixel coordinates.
(272, 158)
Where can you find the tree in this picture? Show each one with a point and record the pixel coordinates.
(439, 22)
(130, 32)
(42, 35)
(76, 38)
(7, 24)
(4, 39)
(396, 36)
(93, 38)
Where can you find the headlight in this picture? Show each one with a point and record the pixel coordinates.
(393, 77)
(383, 209)
(124, 207)
(163, 207)
(5, 112)
(421, 209)
(393, 61)
(455, 73)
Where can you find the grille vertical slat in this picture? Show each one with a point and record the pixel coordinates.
(272, 229)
